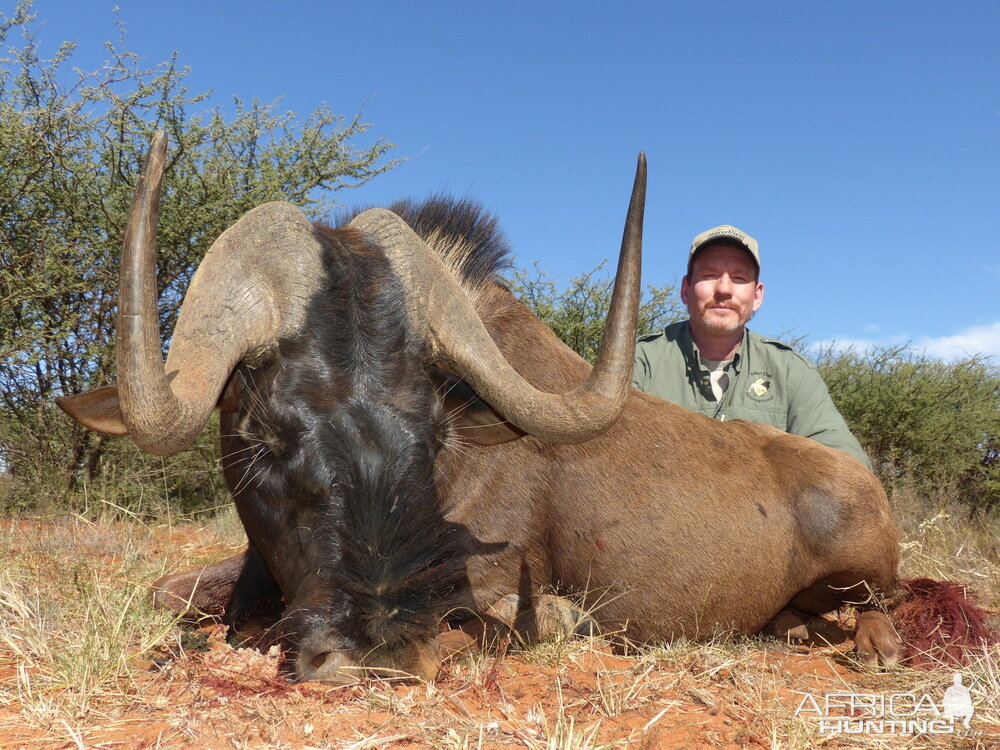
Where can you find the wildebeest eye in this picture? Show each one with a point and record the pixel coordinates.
(271, 444)
(257, 433)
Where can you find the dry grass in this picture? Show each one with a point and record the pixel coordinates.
(85, 661)
(945, 542)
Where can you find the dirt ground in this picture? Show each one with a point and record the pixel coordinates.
(192, 690)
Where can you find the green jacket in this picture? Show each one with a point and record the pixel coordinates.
(768, 382)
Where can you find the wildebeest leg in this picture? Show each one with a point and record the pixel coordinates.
(548, 616)
(238, 591)
(795, 625)
(875, 639)
(255, 604)
(199, 595)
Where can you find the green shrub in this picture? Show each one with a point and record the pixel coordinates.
(924, 421)
(576, 312)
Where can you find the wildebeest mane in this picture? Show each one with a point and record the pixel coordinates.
(463, 233)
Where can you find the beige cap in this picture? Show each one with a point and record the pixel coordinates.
(725, 233)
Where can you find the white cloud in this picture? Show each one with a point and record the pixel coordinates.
(981, 340)
(975, 340)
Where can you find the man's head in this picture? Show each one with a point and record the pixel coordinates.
(725, 235)
(722, 289)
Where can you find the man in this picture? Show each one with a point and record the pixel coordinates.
(714, 365)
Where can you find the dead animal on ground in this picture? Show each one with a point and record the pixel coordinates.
(404, 441)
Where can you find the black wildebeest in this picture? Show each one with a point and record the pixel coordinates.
(394, 447)
(316, 344)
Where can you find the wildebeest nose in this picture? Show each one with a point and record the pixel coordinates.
(326, 665)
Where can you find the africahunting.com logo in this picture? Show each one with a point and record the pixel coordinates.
(892, 713)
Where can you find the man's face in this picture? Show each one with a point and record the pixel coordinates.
(722, 292)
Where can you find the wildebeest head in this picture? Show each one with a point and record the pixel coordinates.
(329, 456)
(318, 345)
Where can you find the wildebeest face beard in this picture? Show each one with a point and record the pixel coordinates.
(401, 562)
(341, 502)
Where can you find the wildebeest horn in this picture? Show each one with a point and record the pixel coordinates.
(440, 310)
(250, 289)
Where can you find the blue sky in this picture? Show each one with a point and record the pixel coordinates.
(859, 142)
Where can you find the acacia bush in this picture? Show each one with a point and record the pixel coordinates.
(576, 311)
(927, 423)
(71, 144)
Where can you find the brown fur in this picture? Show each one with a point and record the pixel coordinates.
(670, 524)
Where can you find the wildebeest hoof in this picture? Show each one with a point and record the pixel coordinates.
(556, 616)
(876, 641)
(254, 632)
(794, 625)
(550, 617)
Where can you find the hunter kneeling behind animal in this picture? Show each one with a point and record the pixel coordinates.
(712, 364)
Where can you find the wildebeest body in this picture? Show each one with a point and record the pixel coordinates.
(670, 523)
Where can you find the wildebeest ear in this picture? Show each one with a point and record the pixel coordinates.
(469, 417)
(229, 399)
(97, 410)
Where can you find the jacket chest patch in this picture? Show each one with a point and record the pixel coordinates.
(760, 389)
